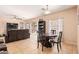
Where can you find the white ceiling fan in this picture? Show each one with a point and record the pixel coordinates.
(46, 10)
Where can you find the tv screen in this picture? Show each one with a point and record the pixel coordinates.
(11, 26)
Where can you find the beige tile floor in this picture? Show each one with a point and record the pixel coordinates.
(29, 46)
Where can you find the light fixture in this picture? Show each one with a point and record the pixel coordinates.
(16, 17)
(45, 10)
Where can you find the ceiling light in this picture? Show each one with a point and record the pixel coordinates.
(47, 12)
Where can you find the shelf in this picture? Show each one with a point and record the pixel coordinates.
(41, 26)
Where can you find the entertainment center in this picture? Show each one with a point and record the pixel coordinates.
(15, 34)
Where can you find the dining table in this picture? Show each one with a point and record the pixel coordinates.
(48, 37)
(46, 41)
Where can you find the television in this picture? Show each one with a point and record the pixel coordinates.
(12, 26)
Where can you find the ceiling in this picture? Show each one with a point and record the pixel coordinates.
(28, 11)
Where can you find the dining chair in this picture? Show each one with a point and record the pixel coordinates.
(38, 38)
(57, 41)
(44, 40)
(3, 47)
(41, 39)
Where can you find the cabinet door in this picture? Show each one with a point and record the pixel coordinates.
(12, 36)
(19, 34)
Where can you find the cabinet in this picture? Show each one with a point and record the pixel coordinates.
(41, 26)
(15, 35)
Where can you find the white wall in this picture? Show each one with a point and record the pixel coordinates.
(78, 28)
(78, 37)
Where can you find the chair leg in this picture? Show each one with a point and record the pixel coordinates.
(38, 45)
(53, 44)
(58, 47)
(42, 47)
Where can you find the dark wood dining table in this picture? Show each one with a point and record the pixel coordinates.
(48, 37)
(46, 41)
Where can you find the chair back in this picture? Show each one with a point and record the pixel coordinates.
(60, 37)
(41, 35)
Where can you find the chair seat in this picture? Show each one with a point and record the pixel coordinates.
(3, 52)
(1, 41)
(3, 47)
